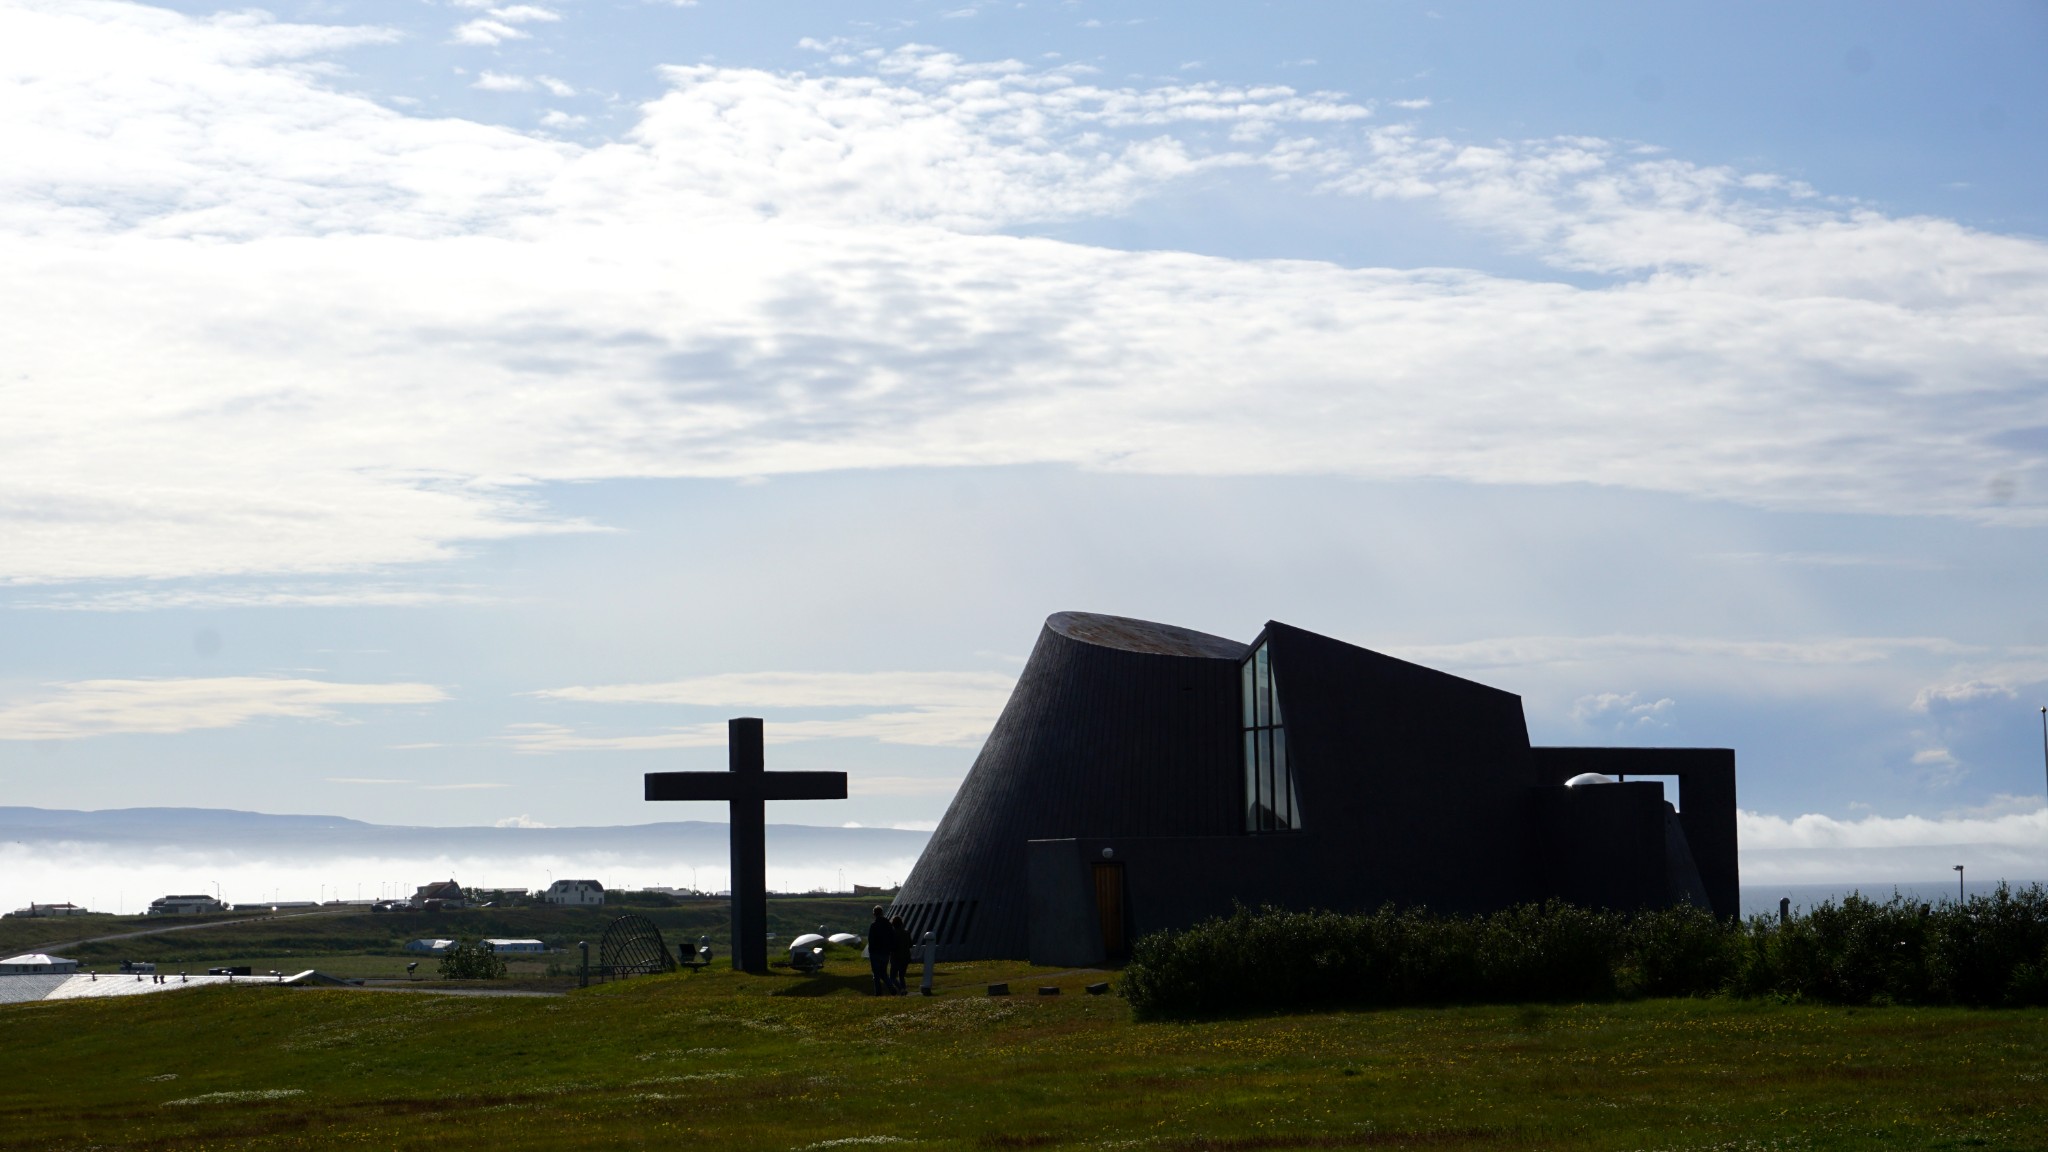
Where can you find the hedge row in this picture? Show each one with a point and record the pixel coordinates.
(1992, 950)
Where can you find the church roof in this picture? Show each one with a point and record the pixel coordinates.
(1129, 635)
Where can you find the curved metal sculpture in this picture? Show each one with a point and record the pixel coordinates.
(632, 946)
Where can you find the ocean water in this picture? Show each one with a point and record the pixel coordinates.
(1763, 899)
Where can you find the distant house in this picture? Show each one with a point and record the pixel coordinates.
(497, 945)
(574, 892)
(434, 946)
(872, 890)
(440, 894)
(36, 964)
(35, 909)
(185, 905)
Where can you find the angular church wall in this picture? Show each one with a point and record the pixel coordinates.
(1413, 782)
(1112, 730)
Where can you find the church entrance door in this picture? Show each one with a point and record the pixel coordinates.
(1109, 910)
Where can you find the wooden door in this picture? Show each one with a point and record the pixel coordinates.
(1109, 910)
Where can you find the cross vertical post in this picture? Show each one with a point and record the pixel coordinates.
(746, 761)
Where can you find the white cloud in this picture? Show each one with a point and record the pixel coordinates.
(556, 87)
(981, 690)
(1531, 651)
(502, 24)
(491, 81)
(1833, 560)
(783, 272)
(1761, 831)
(953, 728)
(936, 709)
(364, 780)
(273, 594)
(1622, 711)
(858, 785)
(1967, 692)
(1892, 849)
(520, 821)
(526, 14)
(84, 708)
(487, 33)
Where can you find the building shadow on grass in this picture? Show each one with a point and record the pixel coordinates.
(828, 984)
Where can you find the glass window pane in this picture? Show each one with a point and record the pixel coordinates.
(1249, 717)
(1283, 783)
(1293, 806)
(1262, 677)
(1251, 782)
(1266, 779)
(1273, 690)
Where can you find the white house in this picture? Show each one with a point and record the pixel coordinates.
(36, 964)
(515, 945)
(436, 946)
(574, 892)
(184, 905)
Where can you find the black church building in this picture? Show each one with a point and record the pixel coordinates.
(1144, 776)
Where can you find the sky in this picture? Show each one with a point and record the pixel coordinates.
(443, 413)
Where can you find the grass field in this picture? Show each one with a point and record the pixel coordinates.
(725, 1061)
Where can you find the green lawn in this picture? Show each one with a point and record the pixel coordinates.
(724, 1061)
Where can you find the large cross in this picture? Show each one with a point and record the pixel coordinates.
(747, 787)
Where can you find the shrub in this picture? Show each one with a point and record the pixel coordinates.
(1987, 951)
(1274, 959)
(1681, 951)
(1992, 950)
(472, 961)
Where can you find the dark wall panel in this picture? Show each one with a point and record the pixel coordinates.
(1413, 782)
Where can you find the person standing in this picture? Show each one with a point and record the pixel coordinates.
(899, 957)
(881, 947)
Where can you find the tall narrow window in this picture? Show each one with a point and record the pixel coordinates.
(1270, 803)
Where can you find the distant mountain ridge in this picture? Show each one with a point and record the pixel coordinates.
(231, 829)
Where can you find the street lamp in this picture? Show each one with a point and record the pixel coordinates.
(1959, 883)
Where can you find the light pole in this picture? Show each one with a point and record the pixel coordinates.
(2044, 737)
(1959, 883)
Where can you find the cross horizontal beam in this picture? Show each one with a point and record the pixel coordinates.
(746, 785)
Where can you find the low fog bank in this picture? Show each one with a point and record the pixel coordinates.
(119, 861)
